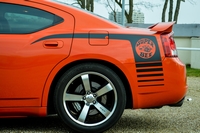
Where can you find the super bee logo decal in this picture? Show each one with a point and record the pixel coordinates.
(145, 48)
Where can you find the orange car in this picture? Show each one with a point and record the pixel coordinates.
(58, 59)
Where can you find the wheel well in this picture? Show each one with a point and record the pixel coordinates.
(50, 106)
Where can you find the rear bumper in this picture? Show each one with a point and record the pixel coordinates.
(179, 104)
(169, 91)
(175, 80)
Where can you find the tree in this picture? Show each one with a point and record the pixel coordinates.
(177, 9)
(81, 3)
(178, 3)
(164, 10)
(128, 14)
(170, 10)
(113, 8)
(86, 4)
(90, 5)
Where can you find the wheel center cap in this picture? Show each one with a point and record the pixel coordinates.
(90, 98)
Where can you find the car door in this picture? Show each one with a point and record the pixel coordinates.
(31, 45)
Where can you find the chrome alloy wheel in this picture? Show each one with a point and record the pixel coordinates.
(89, 98)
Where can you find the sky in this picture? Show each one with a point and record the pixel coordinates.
(188, 14)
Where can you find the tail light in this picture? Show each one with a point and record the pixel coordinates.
(169, 45)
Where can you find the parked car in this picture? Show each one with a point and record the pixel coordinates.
(59, 59)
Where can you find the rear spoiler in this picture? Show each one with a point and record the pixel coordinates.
(163, 27)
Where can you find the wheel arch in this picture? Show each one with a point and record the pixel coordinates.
(50, 105)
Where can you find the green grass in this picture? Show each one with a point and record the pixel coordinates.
(191, 72)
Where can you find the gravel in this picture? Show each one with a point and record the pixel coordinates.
(185, 119)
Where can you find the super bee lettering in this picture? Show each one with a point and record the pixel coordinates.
(145, 48)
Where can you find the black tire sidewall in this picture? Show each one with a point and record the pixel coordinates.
(90, 67)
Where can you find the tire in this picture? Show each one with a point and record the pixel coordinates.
(90, 97)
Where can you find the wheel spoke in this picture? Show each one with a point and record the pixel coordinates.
(86, 82)
(84, 113)
(73, 97)
(89, 97)
(102, 109)
(104, 90)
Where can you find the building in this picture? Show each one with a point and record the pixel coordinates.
(118, 17)
(138, 17)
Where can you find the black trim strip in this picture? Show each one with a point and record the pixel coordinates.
(99, 36)
(151, 80)
(54, 36)
(149, 65)
(149, 70)
(133, 38)
(151, 85)
(79, 35)
(150, 75)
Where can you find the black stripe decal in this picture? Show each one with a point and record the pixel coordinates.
(149, 70)
(130, 37)
(79, 35)
(149, 65)
(133, 39)
(151, 85)
(150, 75)
(54, 36)
(151, 80)
(99, 36)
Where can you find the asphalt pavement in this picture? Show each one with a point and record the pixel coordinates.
(185, 119)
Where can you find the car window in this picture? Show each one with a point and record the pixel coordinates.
(18, 19)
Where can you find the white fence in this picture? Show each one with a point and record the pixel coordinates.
(191, 49)
(190, 55)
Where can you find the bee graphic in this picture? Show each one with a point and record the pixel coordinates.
(145, 48)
